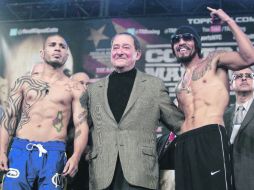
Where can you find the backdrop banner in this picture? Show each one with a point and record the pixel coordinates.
(89, 41)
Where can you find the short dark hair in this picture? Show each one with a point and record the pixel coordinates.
(135, 39)
(52, 35)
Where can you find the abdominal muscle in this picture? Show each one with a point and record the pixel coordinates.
(206, 108)
(40, 132)
(40, 127)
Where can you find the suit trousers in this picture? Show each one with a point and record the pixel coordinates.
(119, 182)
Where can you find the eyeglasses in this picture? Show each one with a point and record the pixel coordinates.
(178, 37)
(245, 75)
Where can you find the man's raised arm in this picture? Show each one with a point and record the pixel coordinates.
(245, 56)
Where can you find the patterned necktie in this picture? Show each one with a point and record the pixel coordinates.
(237, 123)
(239, 115)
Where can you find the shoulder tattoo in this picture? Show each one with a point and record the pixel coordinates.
(39, 87)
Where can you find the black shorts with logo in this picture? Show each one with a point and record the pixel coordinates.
(202, 159)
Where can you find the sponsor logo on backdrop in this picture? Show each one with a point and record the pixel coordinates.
(199, 20)
(170, 30)
(223, 29)
(144, 31)
(101, 56)
(245, 19)
(251, 36)
(211, 37)
(24, 31)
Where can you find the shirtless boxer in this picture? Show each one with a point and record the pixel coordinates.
(81, 179)
(46, 101)
(202, 157)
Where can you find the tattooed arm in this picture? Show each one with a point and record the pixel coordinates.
(9, 120)
(81, 132)
(245, 56)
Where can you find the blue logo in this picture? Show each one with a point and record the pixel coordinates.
(13, 32)
(131, 31)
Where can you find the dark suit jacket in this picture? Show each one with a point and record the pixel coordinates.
(243, 149)
(133, 139)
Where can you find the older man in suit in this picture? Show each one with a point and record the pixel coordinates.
(125, 108)
(239, 121)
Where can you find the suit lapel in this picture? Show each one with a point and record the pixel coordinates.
(136, 92)
(232, 115)
(248, 117)
(105, 97)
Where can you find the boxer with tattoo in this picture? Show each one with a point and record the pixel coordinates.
(38, 112)
(202, 154)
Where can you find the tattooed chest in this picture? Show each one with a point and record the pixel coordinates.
(199, 72)
(34, 94)
(192, 81)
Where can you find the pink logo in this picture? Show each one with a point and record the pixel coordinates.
(171, 137)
